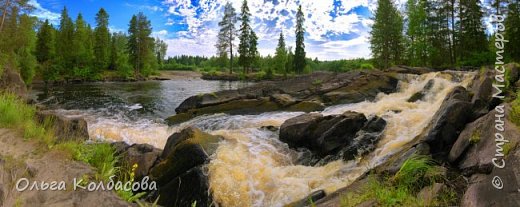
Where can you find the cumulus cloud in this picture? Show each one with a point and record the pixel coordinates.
(326, 20)
(43, 14)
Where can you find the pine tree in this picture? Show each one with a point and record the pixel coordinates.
(299, 53)
(473, 40)
(10, 7)
(102, 40)
(418, 49)
(512, 33)
(386, 40)
(227, 34)
(119, 56)
(45, 43)
(253, 49)
(244, 59)
(289, 66)
(141, 45)
(281, 56)
(64, 43)
(83, 55)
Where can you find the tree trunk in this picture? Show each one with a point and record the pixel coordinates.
(4, 14)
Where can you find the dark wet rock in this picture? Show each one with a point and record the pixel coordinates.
(183, 151)
(448, 122)
(335, 199)
(477, 145)
(420, 95)
(301, 93)
(482, 90)
(120, 147)
(65, 128)
(366, 139)
(514, 72)
(323, 135)
(394, 163)
(296, 131)
(430, 193)
(270, 128)
(409, 70)
(309, 200)
(144, 155)
(189, 187)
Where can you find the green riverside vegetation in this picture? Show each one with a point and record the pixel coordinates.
(402, 188)
(19, 116)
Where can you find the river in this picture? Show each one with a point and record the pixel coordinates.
(251, 166)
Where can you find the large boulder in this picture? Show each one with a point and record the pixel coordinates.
(184, 150)
(323, 135)
(65, 128)
(188, 188)
(477, 145)
(142, 155)
(366, 139)
(448, 122)
(499, 188)
(179, 173)
(365, 87)
(482, 90)
(409, 70)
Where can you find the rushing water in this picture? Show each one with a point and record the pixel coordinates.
(131, 112)
(251, 167)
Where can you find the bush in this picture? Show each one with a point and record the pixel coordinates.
(367, 66)
(402, 188)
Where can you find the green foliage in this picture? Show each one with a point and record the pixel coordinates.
(227, 34)
(401, 189)
(129, 176)
(299, 53)
(386, 40)
(141, 46)
(102, 40)
(512, 33)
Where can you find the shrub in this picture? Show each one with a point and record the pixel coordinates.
(367, 66)
(401, 189)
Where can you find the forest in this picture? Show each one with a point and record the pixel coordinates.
(436, 34)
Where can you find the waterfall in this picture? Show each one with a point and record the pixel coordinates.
(251, 167)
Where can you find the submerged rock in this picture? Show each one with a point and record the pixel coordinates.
(420, 95)
(179, 174)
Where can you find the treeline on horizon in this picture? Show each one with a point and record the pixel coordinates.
(437, 34)
(443, 34)
(74, 50)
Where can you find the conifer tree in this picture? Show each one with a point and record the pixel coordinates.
(244, 58)
(472, 36)
(299, 53)
(227, 34)
(280, 56)
(386, 40)
(512, 33)
(64, 44)
(102, 40)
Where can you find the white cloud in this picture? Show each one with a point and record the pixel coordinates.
(43, 14)
(271, 17)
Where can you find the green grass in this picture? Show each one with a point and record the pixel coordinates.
(402, 188)
(16, 114)
(514, 116)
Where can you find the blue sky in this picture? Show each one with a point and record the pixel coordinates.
(336, 29)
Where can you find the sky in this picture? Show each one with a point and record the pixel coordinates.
(335, 29)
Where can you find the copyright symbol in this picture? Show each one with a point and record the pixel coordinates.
(497, 183)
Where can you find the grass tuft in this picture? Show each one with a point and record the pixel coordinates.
(402, 188)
